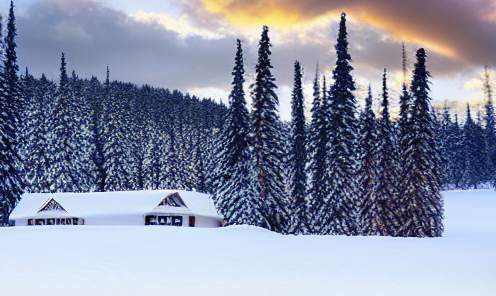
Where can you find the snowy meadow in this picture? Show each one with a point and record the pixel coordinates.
(242, 260)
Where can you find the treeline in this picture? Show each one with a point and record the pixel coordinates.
(84, 135)
(468, 149)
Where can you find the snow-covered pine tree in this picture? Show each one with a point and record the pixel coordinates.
(94, 93)
(266, 139)
(368, 218)
(473, 152)
(421, 203)
(116, 160)
(235, 185)
(446, 142)
(458, 160)
(84, 167)
(317, 151)
(388, 211)
(11, 181)
(338, 212)
(405, 109)
(298, 153)
(62, 177)
(489, 131)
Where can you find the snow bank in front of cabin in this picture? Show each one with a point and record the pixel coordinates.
(243, 260)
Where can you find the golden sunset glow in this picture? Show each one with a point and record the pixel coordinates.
(257, 13)
(289, 16)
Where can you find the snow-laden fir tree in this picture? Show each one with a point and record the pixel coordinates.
(458, 160)
(489, 131)
(388, 212)
(235, 184)
(266, 139)
(338, 209)
(317, 151)
(473, 152)
(405, 109)
(298, 153)
(446, 143)
(62, 176)
(368, 218)
(11, 180)
(421, 202)
(116, 161)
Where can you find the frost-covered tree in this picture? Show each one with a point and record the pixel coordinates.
(235, 185)
(421, 203)
(62, 176)
(298, 153)
(338, 209)
(489, 131)
(368, 174)
(388, 212)
(11, 181)
(266, 139)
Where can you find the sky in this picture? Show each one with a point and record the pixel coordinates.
(190, 44)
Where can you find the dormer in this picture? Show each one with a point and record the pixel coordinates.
(51, 205)
(172, 200)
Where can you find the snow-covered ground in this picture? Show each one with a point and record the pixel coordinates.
(154, 260)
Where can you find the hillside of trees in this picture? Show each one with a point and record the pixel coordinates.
(344, 171)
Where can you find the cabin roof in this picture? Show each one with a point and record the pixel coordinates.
(115, 203)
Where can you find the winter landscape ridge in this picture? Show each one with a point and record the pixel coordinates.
(245, 260)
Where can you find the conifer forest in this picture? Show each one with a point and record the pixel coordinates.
(344, 170)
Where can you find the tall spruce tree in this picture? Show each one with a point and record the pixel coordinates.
(421, 203)
(317, 151)
(388, 212)
(368, 173)
(340, 205)
(298, 153)
(235, 185)
(489, 131)
(62, 177)
(266, 139)
(11, 180)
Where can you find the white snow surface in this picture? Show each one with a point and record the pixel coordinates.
(113, 203)
(243, 260)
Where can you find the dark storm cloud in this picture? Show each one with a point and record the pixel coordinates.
(465, 29)
(94, 37)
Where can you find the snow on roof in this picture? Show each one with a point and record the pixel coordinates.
(116, 202)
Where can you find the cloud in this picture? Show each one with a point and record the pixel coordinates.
(461, 29)
(473, 83)
(94, 36)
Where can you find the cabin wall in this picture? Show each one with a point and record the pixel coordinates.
(202, 221)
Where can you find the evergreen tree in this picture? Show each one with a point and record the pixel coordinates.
(340, 205)
(235, 185)
(489, 131)
(368, 173)
(458, 158)
(62, 177)
(298, 154)
(473, 151)
(116, 160)
(317, 151)
(421, 204)
(387, 211)
(266, 139)
(11, 184)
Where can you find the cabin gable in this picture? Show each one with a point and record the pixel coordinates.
(51, 205)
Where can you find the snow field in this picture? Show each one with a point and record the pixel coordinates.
(242, 260)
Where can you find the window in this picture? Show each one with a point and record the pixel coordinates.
(40, 222)
(75, 221)
(30, 222)
(51, 221)
(191, 221)
(164, 220)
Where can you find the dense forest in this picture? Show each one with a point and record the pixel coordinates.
(346, 170)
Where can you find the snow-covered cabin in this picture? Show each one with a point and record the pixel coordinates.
(149, 207)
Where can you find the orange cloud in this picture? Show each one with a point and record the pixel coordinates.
(461, 29)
